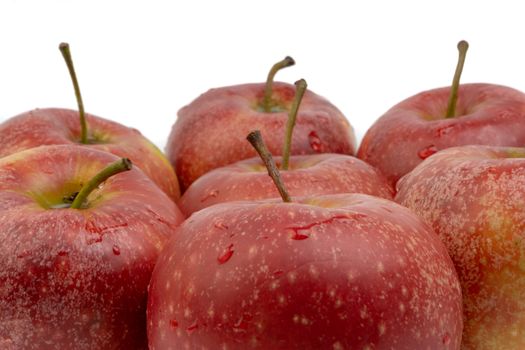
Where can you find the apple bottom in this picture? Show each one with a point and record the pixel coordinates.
(352, 271)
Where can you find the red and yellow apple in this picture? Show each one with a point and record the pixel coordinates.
(474, 198)
(77, 278)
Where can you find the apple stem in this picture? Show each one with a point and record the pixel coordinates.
(114, 168)
(451, 109)
(256, 140)
(66, 53)
(292, 116)
(267, 102)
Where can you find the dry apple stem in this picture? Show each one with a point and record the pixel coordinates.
(255, 138)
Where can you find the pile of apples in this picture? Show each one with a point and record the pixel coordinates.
(264, 226)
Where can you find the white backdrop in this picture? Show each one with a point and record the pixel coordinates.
(138, 62)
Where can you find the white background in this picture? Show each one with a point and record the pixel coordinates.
(138, 62)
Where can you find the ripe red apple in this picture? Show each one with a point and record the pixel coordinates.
(474, 198)
(77, 278)
(210, 132)
(436, 119)
(317, 174)
(53, 126)
(347, 271)
(312, 174)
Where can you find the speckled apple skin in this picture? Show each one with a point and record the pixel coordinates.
(487, 114)
(308, 175)
(54, 126)
(77, 279)
(474, 197)
(211, 131)
(345, 271)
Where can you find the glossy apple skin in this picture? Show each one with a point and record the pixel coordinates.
(54, 126)
(77, 278)
(211, 131)
(474, 198)
(308, 175)
(345, 271)
(414, 129)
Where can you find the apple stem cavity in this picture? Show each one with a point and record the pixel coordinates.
(123, 164)
(66, 53)
(256, 140)
(292, 116)
(451, 109)
(267, 102)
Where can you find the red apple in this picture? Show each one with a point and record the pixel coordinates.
(311, 174)
(53, 126)
(77, 278)
(210, 132)
(347, 271)
(474, 198)
(308, 175)
(430, 121)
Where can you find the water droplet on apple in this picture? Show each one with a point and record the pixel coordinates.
(427, 151)
(220, 225)
(278, 273)
(444, 130)
(209, 195)
(315, 141)
(446, 339)
(226, 255)
(299, 236)
(174, 324)
(116, 250)
(191, 329)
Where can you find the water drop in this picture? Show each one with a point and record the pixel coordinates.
(192, 328)
(278, 273)
(209, 195)
(226, 255)
(299, 236)
(427, 151)
(116, 250)
(315, 141)
(444, 130)
(220, 225)
(446, 339)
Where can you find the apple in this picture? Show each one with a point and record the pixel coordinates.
(76, 251)
(311, 174)
(210, 132)
(347, 271)
(326, 173)
(432, 120)
(473, 197)
(52, 126)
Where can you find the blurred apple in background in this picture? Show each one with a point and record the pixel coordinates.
(75, 269)
(312, 174)
(210, 132)
(52, 126)
(347, 271)
(436, 119)
(474, 198)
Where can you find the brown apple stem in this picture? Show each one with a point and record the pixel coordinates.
(267, 102)
(66, 53)
(453, 99)
(292, 116)
(256, 140)
(114, 168)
